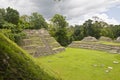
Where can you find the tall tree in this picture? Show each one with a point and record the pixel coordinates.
(24, 22)
(59, 21)
(37, 21)
(116, 31)
(60, 28)
(96, 29)
(12, 16)
(78, 32)
(88, 27)
(2, 16)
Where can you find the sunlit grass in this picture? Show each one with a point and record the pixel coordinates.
(82, 64)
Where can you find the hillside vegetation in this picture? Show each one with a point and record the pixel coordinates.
(15, 64)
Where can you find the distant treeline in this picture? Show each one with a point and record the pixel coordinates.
(11, 22)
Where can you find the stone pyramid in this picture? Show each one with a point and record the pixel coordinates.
(89, 39)
(40, 43)
(103, 38)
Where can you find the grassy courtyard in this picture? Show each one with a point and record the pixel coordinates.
(83, 64)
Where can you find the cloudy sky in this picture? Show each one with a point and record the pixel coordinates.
(76, 11)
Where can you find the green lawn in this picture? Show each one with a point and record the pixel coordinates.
(82, 64)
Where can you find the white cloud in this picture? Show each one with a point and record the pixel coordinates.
(80, 10)
(76, 11)
(103, 17)
(23, 6)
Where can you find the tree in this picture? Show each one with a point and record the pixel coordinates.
(70, 31)
(93, 28)
(59, 21)
(37, 21)
(61, 36)
(88, 27)
(116, 31)
(60, 28)
(12, 16)
(113, 31)
(24, 22)
(2, 16)
(78, 32)
(96, 29)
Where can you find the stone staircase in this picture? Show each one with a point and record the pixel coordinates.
(40, 43)
(95, 46)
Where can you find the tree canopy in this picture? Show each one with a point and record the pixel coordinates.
(37, 21)
(60, 29)
(12, 16)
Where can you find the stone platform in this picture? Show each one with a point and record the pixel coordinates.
(96, 46)
(40, 43)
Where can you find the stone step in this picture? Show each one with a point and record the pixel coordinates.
(46, 36)
(26, 42)
(32, 35)
(55, 45)
(59, 49)
(35, 41)
(42, 49)
(50, 40)
(43, 31)
(41, 54)
(29, 31)
(40, 43)
(32, 52)
(37, 51)
(30, 47)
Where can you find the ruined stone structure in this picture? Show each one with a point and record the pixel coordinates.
(90, 39)
(95, 46)
(40, 43)
(118, 39)
(93, 43)
(102, 38)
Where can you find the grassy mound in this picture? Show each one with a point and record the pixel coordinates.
(15, 64)
(84, 64)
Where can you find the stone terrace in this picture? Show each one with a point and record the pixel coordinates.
(96, 46)
(40, 43)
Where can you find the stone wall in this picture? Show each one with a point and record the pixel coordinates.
(40, 43)
(96, 46)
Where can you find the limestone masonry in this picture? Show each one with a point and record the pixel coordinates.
(87, 44)
(40, 43)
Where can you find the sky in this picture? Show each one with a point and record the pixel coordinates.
(75, 11)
